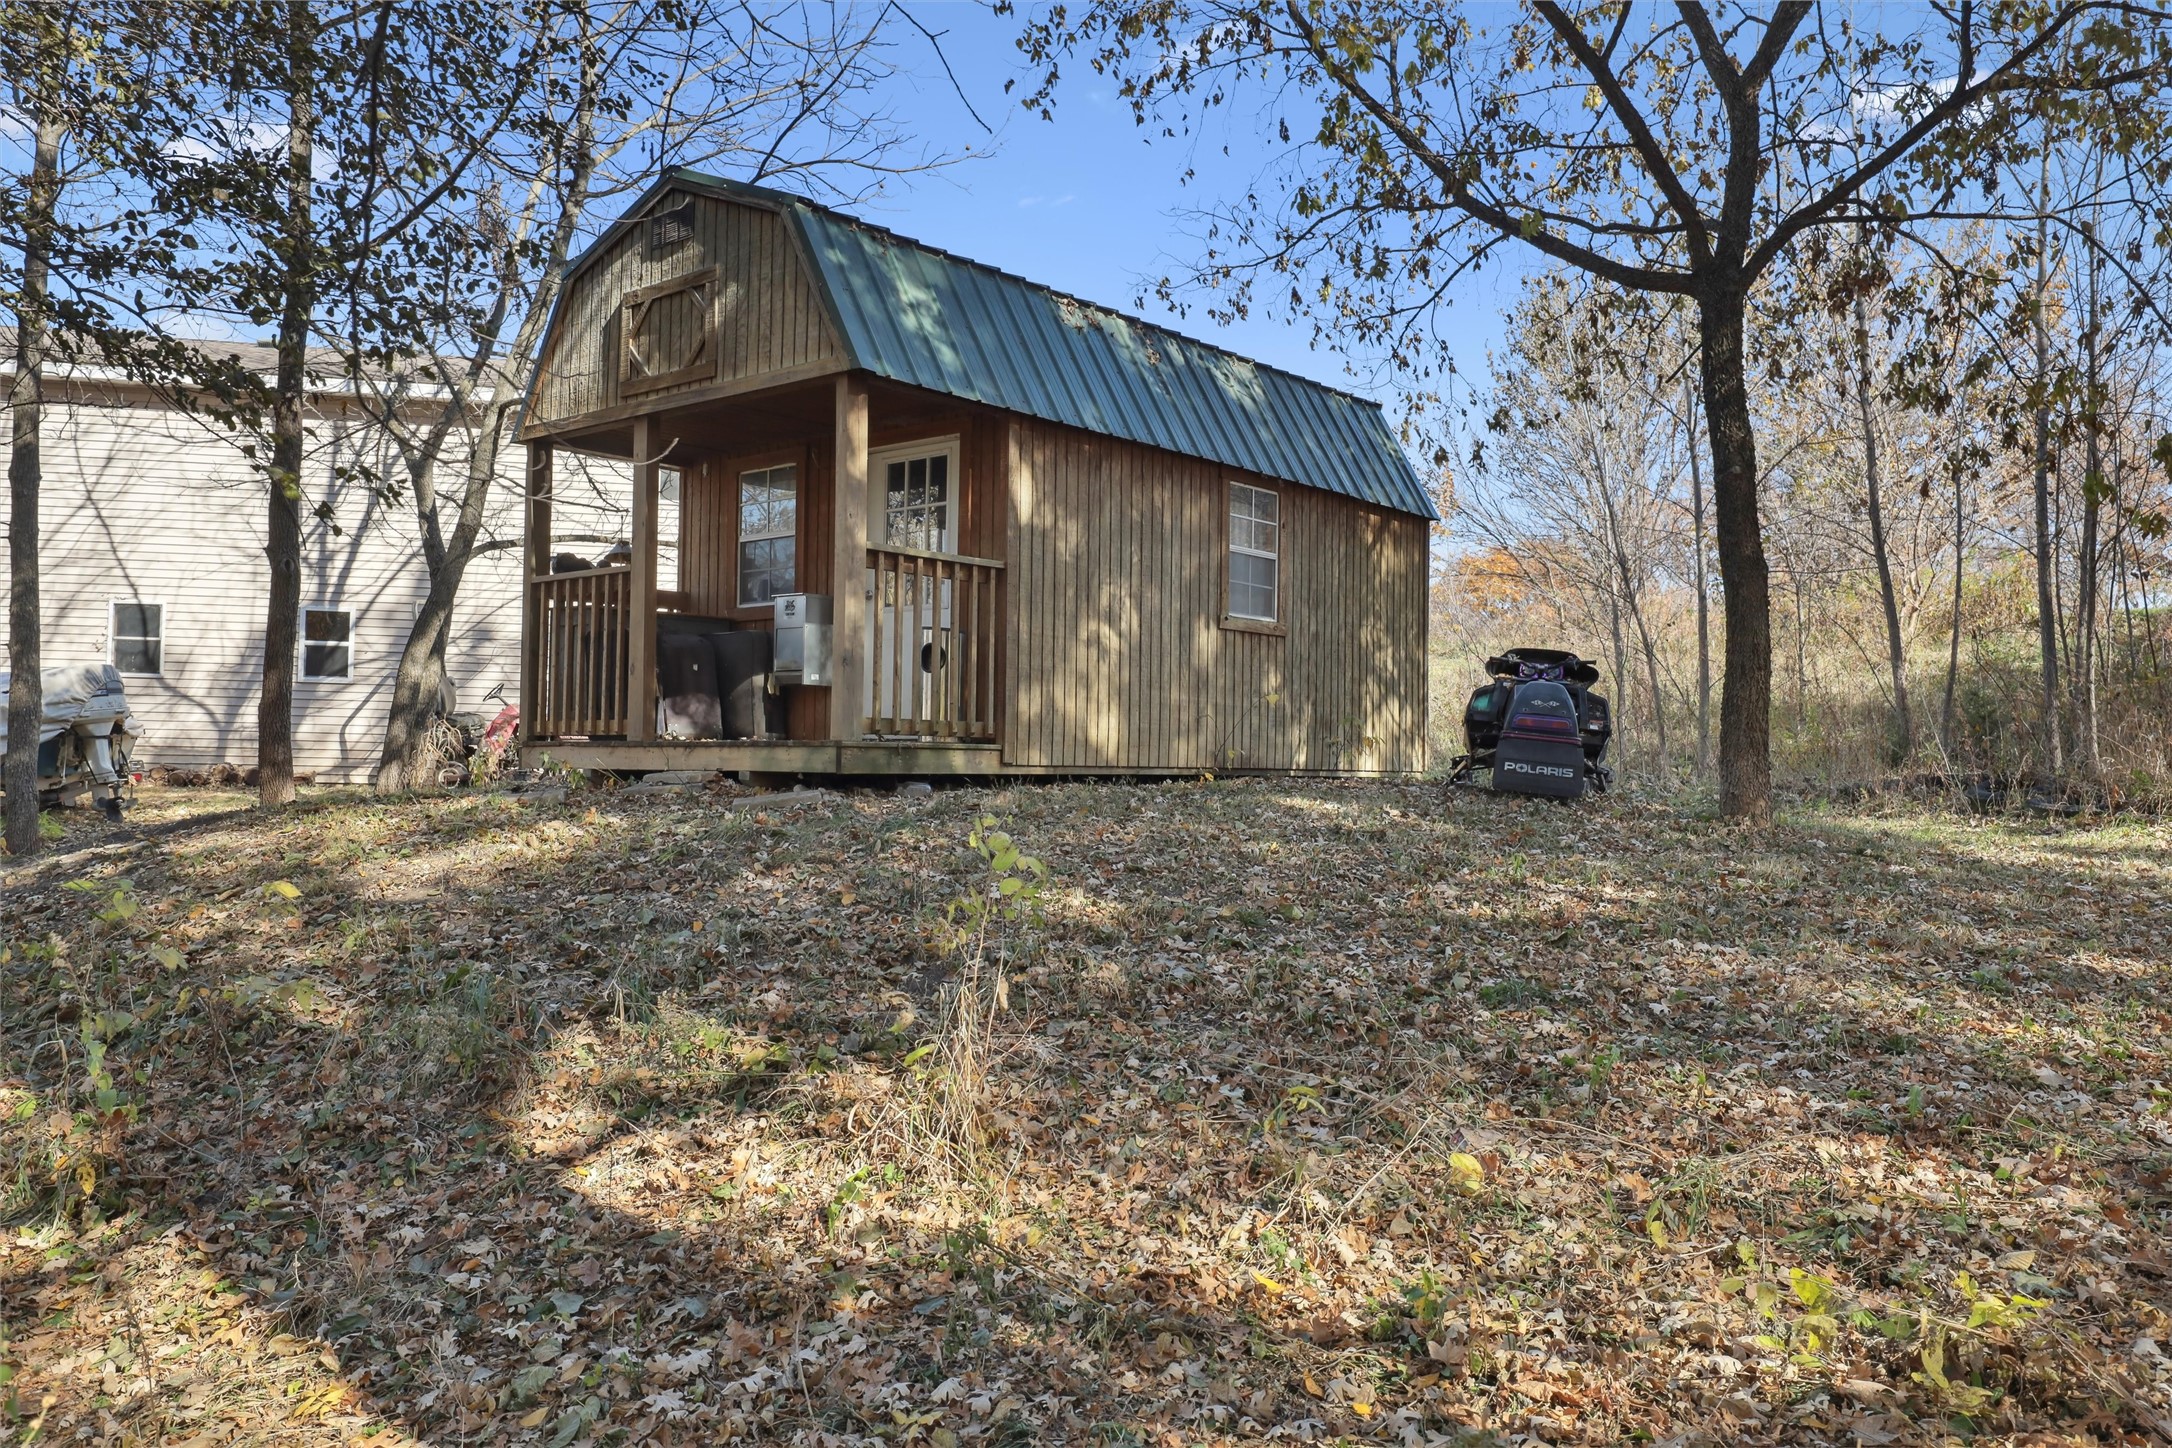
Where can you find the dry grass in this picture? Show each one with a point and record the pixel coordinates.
(1304, 1111)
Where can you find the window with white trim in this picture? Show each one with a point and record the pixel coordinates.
(136, 636)
(327, 644)
(768, 533)
(1255, 547)
(916, 501)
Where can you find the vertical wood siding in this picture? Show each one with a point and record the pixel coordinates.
(708, 537)
(1117, 658)
(709, 549)
(770, 318)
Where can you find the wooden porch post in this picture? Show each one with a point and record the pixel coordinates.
(641, 590)
(535, 563)
(848, 566)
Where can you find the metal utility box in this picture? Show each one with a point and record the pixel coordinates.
(803, 642)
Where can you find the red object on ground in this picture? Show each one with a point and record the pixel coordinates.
(498, 733)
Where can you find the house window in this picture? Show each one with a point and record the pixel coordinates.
(327, 643)
(1254, 553)
(137, 637)
(768, 533)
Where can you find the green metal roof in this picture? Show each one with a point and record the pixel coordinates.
(922, 316)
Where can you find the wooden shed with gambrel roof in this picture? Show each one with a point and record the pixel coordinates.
(1051, 538)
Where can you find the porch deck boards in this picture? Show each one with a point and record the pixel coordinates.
(777, 756)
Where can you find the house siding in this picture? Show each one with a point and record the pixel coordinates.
(143, 502)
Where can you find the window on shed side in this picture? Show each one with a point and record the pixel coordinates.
(1255, 553)
(136, 637)
(327, 643)
(768, 533)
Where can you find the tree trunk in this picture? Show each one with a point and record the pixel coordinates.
(26, 688)
(1704, 596)
(415, 687)
(1621, 666)
(1903, 741)
(1625, 578)
(1953, 641)
(2048, 762)
(283, 541)
(1745, 763)
(418, 685)
(2087, 581)
(1651, 675)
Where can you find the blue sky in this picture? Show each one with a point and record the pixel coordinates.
(1085, 204)
(1082, 203)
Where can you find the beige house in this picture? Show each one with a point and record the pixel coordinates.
(151, 544)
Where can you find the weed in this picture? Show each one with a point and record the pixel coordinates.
(1511, 992)
(987, 931)
(466, 1032)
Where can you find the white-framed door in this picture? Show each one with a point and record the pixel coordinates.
(912, 503)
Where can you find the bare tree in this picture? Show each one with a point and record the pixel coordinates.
(329, 148)
(765, 91)
(2047, 613)
(1576, 484)
(1896, 647)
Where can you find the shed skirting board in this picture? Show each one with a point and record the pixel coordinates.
(769, 756)
(933, 761)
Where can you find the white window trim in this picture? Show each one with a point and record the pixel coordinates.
(165, 616)
(1229, 583)
(742, 538)
(878, 492)
(301, 644)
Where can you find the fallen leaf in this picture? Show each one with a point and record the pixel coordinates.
(1465, 1173)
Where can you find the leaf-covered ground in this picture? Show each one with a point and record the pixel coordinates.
(1317, 1112)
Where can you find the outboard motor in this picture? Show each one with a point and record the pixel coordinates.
(1537, 728)
(85, 738)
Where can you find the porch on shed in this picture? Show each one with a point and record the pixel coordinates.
(785, 489)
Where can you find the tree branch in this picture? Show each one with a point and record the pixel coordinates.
(1656, 161)
(1457, 185)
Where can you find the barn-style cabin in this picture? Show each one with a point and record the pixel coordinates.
(1006, 532)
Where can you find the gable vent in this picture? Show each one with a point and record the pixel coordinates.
(671, 229)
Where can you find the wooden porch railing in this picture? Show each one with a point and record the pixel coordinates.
(934, 621)
(578, 652)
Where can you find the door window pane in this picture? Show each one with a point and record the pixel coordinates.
(916, 503)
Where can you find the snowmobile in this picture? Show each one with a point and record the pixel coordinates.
(85, 738)
(1537, 728)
